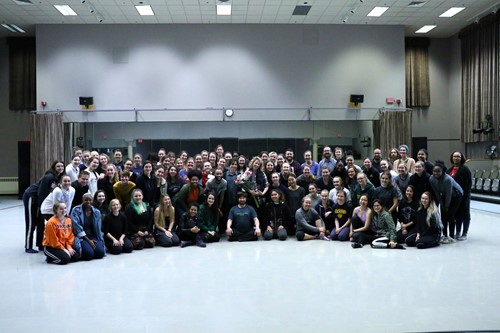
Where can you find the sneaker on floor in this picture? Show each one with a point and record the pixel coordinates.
(324, 238)
(186, 243)
(30, 251)
(356, 245)
(445, 240)
(400, 247)
(452, 240)
(200, 243)
(462, 238)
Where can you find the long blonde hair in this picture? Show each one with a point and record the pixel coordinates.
(161, 211)
(432, 210)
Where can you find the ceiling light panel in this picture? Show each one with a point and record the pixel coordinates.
(452, 12)
(223, 9)
(145, 10)
(13, 28)
(425, 29)
(65, 10)
(377, 11)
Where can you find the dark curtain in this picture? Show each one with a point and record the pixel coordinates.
(47, 142)
(418, 92)
(480, 44)
(394, 130)
(22, 73)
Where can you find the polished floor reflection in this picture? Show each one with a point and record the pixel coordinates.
(313, 286)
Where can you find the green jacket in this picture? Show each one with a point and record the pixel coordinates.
(385, 226)
(180, 199)
(209, 222)
(369, 190)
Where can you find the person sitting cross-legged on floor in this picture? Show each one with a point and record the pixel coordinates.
(309, 223)
(243, 224)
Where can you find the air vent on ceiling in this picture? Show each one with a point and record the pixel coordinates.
(417, 4)
(23, 2)
(301, 10)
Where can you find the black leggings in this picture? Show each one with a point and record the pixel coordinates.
(127, 246)
(449, 217)
(59, 257)
(423, 242)
(30, 217)
(463, 215)
(363, 237)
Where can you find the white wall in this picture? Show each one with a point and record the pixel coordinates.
(198, 66)
(270, 66)
(215, 66)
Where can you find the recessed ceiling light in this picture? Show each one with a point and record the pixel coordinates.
(377, 11)
(65, 10)
(13, 28)
(145, 10)
(452, 12)
(425, 29)
(223, 9)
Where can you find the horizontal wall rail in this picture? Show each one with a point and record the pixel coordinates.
(218, 114)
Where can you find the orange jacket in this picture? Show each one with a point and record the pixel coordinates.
(58, 235)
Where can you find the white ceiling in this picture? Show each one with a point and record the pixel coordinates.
(248, 12)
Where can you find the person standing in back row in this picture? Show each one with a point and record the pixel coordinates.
(327, 162)
(462, 175)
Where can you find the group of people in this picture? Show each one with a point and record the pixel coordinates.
(95, 205)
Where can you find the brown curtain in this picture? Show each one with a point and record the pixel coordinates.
(47, 142)
(480, 45)
(394, 130)
(22, 73)
(417, 72)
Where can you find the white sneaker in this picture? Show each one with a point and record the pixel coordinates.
(452, 240)
(445, 240)
(462, 238)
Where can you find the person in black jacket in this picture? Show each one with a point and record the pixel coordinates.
(48, 182)
(429, 226)
(420, 180)
(462, 175)
(372, 173)
(407, 212)
(147, 183)
(277, 216)
(189, 227)
(115, 229)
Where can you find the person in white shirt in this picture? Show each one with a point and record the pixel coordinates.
(338, 186)
(72, 169)
(64, 193)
